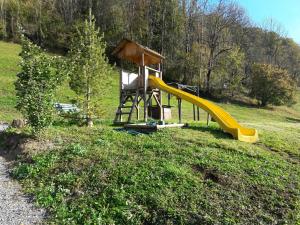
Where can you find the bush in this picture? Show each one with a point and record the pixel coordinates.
(271, 85)
(36, 84)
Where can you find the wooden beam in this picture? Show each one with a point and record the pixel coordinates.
(160, 96)
(145, 88)
(157, 100)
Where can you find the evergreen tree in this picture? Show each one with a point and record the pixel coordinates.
(90, 70)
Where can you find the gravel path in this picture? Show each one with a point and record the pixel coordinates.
(15, 208)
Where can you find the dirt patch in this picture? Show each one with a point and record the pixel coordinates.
(212, 175)
(13, 144)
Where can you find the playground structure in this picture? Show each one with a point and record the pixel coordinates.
(147, 85)
(134, 87)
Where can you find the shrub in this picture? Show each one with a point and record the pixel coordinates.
(271, 85)
(36, 84)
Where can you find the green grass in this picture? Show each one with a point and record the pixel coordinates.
(9, 60)
(197, 175)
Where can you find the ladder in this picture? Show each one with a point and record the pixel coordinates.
(124, 99)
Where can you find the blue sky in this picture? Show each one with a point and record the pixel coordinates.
(285, 12)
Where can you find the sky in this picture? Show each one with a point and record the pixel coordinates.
(284, 12)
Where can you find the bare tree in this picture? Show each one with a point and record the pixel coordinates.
(3, 18)
(68, 9)
(273, 36)
(220, 19)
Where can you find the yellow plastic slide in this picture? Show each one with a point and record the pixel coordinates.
(224, 119)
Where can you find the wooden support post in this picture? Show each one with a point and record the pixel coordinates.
(160, 96)
(139, 86)
(194, 112)
(198, 111)
(179, 110)
(169, 100)
(145, 81)
(150, 106)
(138, 113)
(208, 119)
(137, 107)
(120, 88)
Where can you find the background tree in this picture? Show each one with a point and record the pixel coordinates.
(232, 70)
(3, 11)
(90, 76)
(271, 85)
(221, 19)
(195, 36)
(272, 40)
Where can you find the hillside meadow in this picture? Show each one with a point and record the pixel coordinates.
(195, 175)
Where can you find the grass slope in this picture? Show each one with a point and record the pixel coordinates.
(197, 175)
(8, 69)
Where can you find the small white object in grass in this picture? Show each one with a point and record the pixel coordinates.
(3, 126)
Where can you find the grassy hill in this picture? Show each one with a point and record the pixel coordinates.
(197, 175)
(8, 70)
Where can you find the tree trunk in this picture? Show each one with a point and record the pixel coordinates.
(209, 70)
(208, 76)
(263, 103)
(87, 74)
(89, 120)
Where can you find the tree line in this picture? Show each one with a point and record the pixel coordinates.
(208, 43)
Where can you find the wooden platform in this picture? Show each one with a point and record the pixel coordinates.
(150, 127)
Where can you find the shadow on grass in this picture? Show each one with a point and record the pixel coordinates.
(67, 122)
(133, 132)
(292, 120)
(216, 132)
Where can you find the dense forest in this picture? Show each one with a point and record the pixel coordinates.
(208, 43)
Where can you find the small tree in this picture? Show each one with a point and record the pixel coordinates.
(271, 85)
(36, 85)
(90, 76)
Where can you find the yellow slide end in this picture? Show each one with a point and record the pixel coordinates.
(224, 119)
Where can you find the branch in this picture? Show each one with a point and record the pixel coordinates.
(221, 52)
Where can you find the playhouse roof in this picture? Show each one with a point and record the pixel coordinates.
(132, 51)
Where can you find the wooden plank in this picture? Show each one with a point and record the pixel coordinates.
(144, 126)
